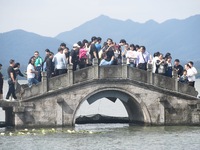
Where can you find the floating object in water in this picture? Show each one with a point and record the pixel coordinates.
(2, 133)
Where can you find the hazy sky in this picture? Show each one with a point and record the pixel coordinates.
(50, 17)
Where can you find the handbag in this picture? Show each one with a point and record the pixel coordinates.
(161, 69)
(143, 65)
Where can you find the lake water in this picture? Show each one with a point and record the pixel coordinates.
(102, 136)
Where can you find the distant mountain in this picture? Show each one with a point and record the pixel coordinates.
(21, 45)
(179, 37)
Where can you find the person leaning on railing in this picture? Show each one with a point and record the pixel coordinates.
(31, 72)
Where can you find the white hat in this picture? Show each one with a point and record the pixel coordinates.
(76, 45)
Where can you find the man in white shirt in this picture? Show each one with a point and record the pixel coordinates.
(143, 58)
(60, 62)
(193, 72)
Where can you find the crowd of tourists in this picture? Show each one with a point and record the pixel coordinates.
(82, 55)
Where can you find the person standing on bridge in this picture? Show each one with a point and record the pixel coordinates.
(11, 80)
(38, 65)
(74, 56)
(191, 75)
(143, 58)
(50, 65)
(60, 62)
(183, 78)
(1, 83)
(131, 56)
(83, 54)
(161, 65)
(122, 45)
(47, 51)
(65, 51)
(154, 61)
(93, 50)
(178, 67)
(17, 70)
(98, 44)
(108, 54)
(168, 72)
(31, 72)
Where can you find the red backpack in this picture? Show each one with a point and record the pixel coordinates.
(82, 53)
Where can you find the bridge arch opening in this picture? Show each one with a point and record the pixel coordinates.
(133, 108)
(104, 110)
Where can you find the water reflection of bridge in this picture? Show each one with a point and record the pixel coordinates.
(148, 98)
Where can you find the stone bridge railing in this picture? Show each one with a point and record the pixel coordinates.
(107, 72)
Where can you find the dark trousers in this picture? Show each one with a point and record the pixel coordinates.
(60, 71)
(75, 65)
(39, 77)
(191, 83)
(82, 63)
(1, 87)
(49, 73)
(11, 90)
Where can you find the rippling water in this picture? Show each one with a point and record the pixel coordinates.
(106, 136)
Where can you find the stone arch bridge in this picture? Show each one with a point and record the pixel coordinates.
(149, 98)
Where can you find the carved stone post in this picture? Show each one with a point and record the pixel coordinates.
(124, 69)
(70, 75)
(175, 77)
(149, 74)
(198, 106)
(162, 118)
(19, 115)
(96, 68)
(44, 82)
(9, 116)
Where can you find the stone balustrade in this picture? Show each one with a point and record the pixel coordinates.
(120, 72)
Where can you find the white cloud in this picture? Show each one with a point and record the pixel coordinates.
(50, 17)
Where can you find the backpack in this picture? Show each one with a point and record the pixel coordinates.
(162, 69)
(82, 53)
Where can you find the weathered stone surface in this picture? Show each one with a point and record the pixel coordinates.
(150, 105)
